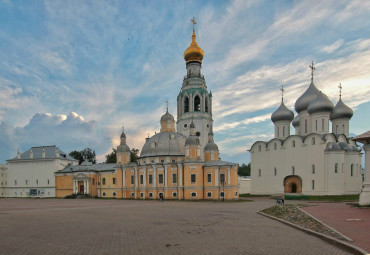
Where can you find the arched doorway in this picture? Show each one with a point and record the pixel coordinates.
(293, 184)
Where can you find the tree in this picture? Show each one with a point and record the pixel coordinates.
(111, 157)
(85, 154)
(134, 154)
(244, 170)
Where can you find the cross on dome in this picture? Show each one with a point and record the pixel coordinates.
(340, 90)
(167, 105)
(194, 22)
(312, 70)
(282, 93)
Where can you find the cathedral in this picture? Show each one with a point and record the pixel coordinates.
(313, 161)
(173, 164)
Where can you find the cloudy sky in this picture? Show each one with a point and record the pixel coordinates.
(72, 73)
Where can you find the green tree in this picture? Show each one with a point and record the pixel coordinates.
(134, 154)
(85, 154)
(244, 170)
(111, 157)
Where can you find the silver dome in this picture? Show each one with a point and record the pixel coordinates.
(164, 144)
(123, 148)
(167, 117)
(320, 104)
(192, 140)
(341, 111)
(282, 113)
(307, 97)
(333, 146)
(211, 147)
(295, 122)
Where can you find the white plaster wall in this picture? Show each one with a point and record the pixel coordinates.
(244, 185)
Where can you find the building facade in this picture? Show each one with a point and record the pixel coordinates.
(32, 173)
(313, 161)
(182, 164)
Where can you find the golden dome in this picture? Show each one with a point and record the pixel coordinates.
(194, 52)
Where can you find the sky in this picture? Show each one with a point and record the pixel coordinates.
(72, 73)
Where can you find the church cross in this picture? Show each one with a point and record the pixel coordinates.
(123, 129)
(282, 93)
(312, 70)
(340, 90)
(194, 22)
(167, 105)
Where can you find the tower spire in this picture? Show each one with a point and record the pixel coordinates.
(340, 90)
(312, 70)
(282, 93)
(167, 105)
(194, 22)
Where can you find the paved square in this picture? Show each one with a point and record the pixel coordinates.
(88, 226)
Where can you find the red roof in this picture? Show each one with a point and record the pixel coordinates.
(363, 137)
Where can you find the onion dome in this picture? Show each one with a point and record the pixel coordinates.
(333, 146)
(194, 52)
(306, 98)
(164, 144)
(123, 147)
(341, 111)
(320, 104)
(282, 113)
(167, 117)
(295, 121)
(192, 139)
(211, 146)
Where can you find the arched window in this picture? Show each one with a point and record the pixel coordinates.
(259, 147)
(313, 169)
(186, 105)
(259, 172)
(351, 169)
(336, 168)
(206, 105)
(283, 131)
(293, 143)
(275, 171)
(323, 124)
(197, 104)
(316, 125)
(293, 170)
(305, 126)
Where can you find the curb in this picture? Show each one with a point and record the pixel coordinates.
(342, 244)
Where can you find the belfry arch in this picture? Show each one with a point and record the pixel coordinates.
(186, 104)
(292, 184)
(197, 103)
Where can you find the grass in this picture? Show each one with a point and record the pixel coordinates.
(336, 198)
(249, 195)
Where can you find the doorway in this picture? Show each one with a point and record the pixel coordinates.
(292, 184)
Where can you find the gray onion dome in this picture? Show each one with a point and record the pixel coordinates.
(320, 104)
(167, 117)
(295, 121)
(123, 135)
(164, 144)
(306, 98)
(211, 146)
(341, 111)
(282, 113)
(333, 146)
(123, 148)
(192, 140)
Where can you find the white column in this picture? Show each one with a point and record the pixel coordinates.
(123, 178)
(165, 176)
(365, 192)
(74, 187)
(216, 176)
(228, 176)
(87, 187)
(144, 181)
(180, 175)
(154, 177)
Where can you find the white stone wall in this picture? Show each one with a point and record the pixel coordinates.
(3, 179)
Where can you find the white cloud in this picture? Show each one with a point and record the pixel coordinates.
(333, 47)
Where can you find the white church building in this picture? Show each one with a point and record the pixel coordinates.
(313, 161)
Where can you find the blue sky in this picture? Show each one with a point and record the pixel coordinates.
(72, 73)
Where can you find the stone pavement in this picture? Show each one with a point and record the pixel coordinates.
(60, 226)
(351, 221)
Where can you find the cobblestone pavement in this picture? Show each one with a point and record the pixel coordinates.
(351, 221)
(57, 226)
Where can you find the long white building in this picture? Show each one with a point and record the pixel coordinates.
(314, 161)
(32, 173)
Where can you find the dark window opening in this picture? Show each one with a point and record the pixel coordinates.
(206, 104)
(193, 178)
(150, 179)
(160, 178)
(197, 133)
(186, 105)
(197, 104)
(174, 178)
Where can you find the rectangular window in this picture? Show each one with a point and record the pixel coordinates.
(275, 146)
(275, 171)
(150, 194)
(114, 180)
(313, 169)
(174, 178)
(26, 182)
(336, 168)
(150, 179)
(222, 178)
(141, 179)
(323, 125)
(174, 194)
(209, 194)
(93, 181)
(132, 180)
(48, 181)
(351, 169)
(209, 177)
(313, 140)
(160, 178)
(141, 194)
(259, 172)
(193, 194)
(103, 181)
(193, 178)
(313, 184)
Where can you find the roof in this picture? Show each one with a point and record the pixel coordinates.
(306, 98)
(282, 113)
(164, 144)
(88, 167)
(50, 153)
(341, 110)
(363, 137)
(219, 163)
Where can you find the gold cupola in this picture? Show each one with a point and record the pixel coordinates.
(194, 52)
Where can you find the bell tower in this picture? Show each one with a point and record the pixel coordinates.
(194, 103)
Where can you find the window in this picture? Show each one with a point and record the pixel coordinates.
(206, 104)
(259, 147)
(26, 182)
(293, 170)
(174, 178)
(283, 131)
(293, 143)
(114, 180)
(323, 125)
(259, 172)
(37, 181)
(209, 177)
(93, 181)
(150, 194)
(132, 194)
(275, 146)
(103, 194)
(336, 168)
(313, 140)
(141, 179)
(103, 181)
(160, 178)
(313, 184)
(186, 104)
(351, 169)
(313, 169)
(305, 126)
(152, 161)
(222, 178)
(174, 194)
(48, 181)
(15, 182)
(132, 180)
(236, 193)
(209, 194)
(160, 194)
(222, 194)
(114, 194)
(316, 125)
(173, 161)
(197, 104)
(150, 179)
(193, 178)
(193, 194)
(162, 161)
(275, 171)
(141, 194)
